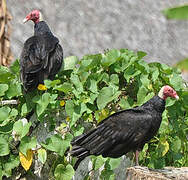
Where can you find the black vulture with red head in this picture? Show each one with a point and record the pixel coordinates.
(124, 131)
(42, 55)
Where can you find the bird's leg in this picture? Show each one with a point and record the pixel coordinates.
(136, 157)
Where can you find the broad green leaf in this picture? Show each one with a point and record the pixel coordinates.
(164, 124)
(155, 75)
(43, 103)
(107, 175)
(92, 98)
(114, 162)
(98, 162)
(142, 66)
(4, 113)
(166, 69)
(42, 155)
(183, 64)
(176, 144)
(3, 89)
(131, 73)
(185, 98)
(110, 57)
(53, 98)
(21, 128)
(4, 147)
(5, 75)
(13, 113)
(84, 76)
(76, 81)
(143, 153)
(12, 162)
(105, 78)
(48, 83)
(24, 109)
(70, 62)
(145, 80)
(170, 102)
(7, 128)
(69, 108)
(159, 163)
(27, 143)
(141, 54)
(114, 79)
(180, 12)
(63, 172)
(15, 67)
(142, 92)
(176, 81)
(65, 87)
(79, 132)
(85, 65)
(14, 90)
(105, 96)
(1, 172)
(126, 103)
(90, 62)
(75, 117)
(57, 144)
(92, 84)
(149, 96)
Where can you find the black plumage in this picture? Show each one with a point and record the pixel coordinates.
(124, 131)
(41, 57)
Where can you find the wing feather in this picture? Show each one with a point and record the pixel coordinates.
(116, 135)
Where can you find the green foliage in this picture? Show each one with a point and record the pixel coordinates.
(4, 147)
(20, 129)
(92, 89)
(42, 155)
(180, 12)
(183, 64)
(27, 143)
(58, 144)
(64, 172)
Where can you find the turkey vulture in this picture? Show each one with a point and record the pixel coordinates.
(42, 55)
(124, 131)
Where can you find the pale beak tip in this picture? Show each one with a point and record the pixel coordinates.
(25, 20)
(177, 97)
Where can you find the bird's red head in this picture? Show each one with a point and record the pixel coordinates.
(34, 15)
(167, 91)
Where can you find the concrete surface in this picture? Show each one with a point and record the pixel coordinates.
(85, 26)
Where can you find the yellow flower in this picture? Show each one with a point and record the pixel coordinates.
(42, 87)
(68, 119)
(62, 103)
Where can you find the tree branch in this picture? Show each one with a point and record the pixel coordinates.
(9, 102)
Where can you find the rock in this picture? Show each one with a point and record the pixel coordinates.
(168, 173)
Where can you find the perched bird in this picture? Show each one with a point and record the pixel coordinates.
(124, 131)
(42, 55)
